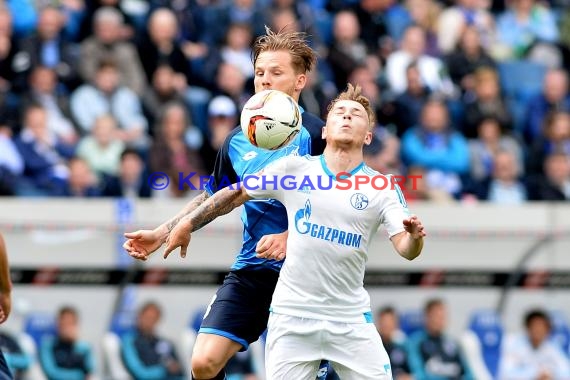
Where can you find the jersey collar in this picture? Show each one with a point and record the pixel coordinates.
(330, 174)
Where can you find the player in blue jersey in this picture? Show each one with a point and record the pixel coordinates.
(5, 302)
(239, 310)
(320, 308)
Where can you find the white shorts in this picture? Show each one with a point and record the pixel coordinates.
(295, 347)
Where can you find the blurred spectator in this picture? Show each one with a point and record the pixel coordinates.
(101, 150)
(43, 91)
(88, 21)
(165, 88)
(525, 24)
(372, 21)
(503, 185)
(227, 13)
(319, 92)
(347, 50)
(160, 47)
(146, 354)
(8, 50)
(490, 141)
(487, 103)
(554, 97)
(363, 76)
(241, 365)
(394, 342)
(222, 119)
(433, 354)
(409, 104)
(44, 154)
(415, 188)
(17, 359)
(82, 181)
(434, 145)
(106, 44)
(171, 154)
(425, 14)
(231, 82)
(467, 57)
(303, 13)
(432, 70)
(383, 153)
(49, 47)
(107, 96)
(11, 162)
(455, 19)
(236, 49)
(555, 138)
(531, 356)
(132, 180)
(554, 185)
(65, 356)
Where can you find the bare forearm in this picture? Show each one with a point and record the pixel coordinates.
(167, 226)
(219, 204)
(408, 246)
(5, 282)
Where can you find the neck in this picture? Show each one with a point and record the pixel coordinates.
(342, 159)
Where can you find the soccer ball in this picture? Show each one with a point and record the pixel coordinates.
(271, 119)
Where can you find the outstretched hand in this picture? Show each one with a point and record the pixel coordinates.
(272, 246)
(178, 237)
(414, 227)
(142, 243)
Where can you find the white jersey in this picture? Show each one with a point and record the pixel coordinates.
(330, 230)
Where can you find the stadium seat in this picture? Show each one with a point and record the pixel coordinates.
(38, 325)
(482, 343)
(560, 330)
(121, 324)
(411, 321)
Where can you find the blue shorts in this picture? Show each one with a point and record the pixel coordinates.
(5, 373)
(240, 308)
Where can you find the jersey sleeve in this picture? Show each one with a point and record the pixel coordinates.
(267, 184)
(314, 126)
(224, 173)
(394, 210)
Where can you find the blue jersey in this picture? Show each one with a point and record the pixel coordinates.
(238, 158)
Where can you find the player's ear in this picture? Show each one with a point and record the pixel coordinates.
(301, 82)
(368, 138)
(324, 132)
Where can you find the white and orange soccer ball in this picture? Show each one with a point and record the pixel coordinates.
(271, 119)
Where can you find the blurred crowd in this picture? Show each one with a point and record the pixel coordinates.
(418, 342)
(471, 95)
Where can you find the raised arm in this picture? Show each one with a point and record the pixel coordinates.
(5, 283)
(219, 204)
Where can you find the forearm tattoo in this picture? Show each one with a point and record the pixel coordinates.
(191, 206)
(220, 204)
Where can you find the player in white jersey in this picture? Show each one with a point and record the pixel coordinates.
(335, 204)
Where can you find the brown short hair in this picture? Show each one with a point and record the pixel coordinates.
(303, 56)
(354, 93)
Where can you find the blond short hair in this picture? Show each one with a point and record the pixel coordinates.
(354, 93)
(303, 57)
